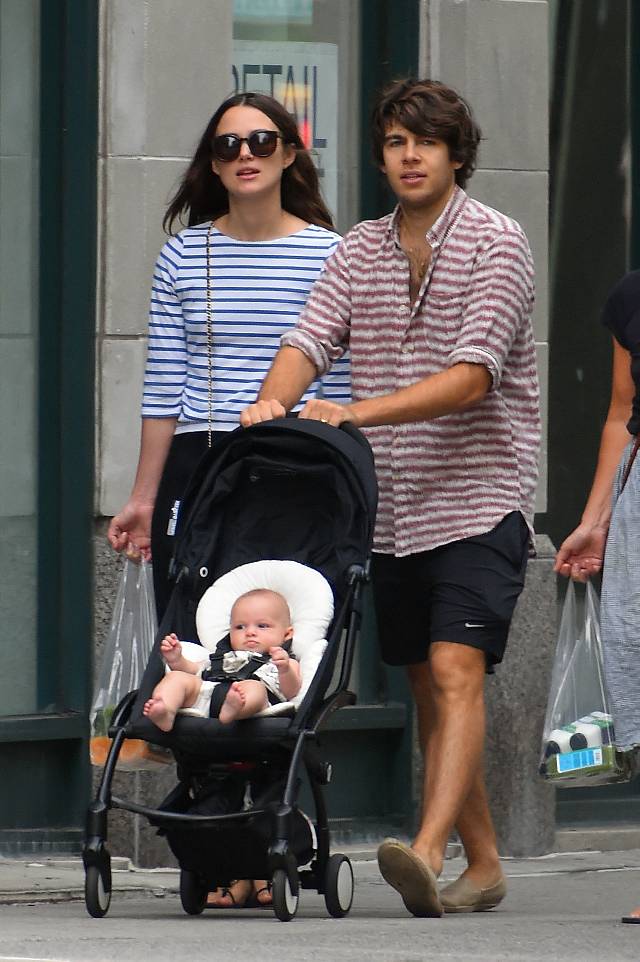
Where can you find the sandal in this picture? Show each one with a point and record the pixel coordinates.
(262, 896)
(238, 900)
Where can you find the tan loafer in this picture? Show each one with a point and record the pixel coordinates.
(409, 875)
(463, 896)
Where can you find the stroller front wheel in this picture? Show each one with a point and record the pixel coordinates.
(285, 903)
(193, 894)
(338, 886)
(96, 896)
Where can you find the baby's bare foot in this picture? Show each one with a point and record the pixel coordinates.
(160, 715)
(233, 704)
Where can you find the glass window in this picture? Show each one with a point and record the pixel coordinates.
(306, 54)
(19, 174)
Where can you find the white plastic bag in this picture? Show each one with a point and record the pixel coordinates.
(578, 743)
(124, 658)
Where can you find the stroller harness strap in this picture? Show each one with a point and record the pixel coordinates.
(217, 671)
(246, 668)
(247, 665)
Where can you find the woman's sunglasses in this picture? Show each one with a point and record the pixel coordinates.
(261, 143)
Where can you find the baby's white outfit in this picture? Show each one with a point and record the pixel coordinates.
(232, 662)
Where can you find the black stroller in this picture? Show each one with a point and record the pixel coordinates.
(287, 489)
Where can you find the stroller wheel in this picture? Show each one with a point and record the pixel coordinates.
(285, 903)
(338, 886)
(96, 897)
(193, 894)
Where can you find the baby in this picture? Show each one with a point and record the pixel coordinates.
(260, 623)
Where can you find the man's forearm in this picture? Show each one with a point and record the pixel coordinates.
(289, 377)
(456, 389)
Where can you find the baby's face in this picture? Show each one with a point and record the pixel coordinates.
(258, 624)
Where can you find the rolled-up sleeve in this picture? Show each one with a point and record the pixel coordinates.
(499, 300)
(323, 328)
(166, 367)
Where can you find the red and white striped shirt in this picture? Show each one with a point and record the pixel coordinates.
(458, 475)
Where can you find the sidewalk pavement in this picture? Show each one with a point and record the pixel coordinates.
(62, 879)
(559, 908)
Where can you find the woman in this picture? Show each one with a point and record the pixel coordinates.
(224, 290)
(611, 520)
(258, 222)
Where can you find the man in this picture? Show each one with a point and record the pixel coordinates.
(434, 302)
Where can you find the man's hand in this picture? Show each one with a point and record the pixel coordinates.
(262, 411)
(328, 412)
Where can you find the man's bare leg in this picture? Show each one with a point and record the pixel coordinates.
(454, 742)
(475, 827)
(474, 822)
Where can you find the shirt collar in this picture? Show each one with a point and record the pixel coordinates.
(438, 231)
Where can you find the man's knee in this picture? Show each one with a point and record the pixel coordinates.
(456, 670)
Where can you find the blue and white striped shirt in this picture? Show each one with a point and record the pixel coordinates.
(258, 291)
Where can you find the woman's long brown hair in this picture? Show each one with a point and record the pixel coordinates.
(202, 194)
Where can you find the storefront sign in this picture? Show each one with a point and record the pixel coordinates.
(304, 77)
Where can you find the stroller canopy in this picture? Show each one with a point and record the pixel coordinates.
(285, 489)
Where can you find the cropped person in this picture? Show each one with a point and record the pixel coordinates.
(434, 303)
(608, 535)
(224, 290)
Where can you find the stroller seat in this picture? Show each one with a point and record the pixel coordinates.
(310, 602)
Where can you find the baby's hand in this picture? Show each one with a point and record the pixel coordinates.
(171, 649)
(280, 658)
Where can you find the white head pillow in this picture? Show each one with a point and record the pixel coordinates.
(310, 601)
(305, 590)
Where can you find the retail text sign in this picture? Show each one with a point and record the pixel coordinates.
(303, 77)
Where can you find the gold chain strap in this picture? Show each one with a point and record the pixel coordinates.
(209, 337)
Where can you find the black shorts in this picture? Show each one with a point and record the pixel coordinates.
(464, 592)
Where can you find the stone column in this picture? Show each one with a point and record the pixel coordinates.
(522, 803)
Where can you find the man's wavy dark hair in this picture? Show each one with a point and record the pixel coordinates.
(428, 108)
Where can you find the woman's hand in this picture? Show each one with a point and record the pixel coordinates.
(581, 554)
(130, 530)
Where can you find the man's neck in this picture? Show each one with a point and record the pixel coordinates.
(416, 221)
